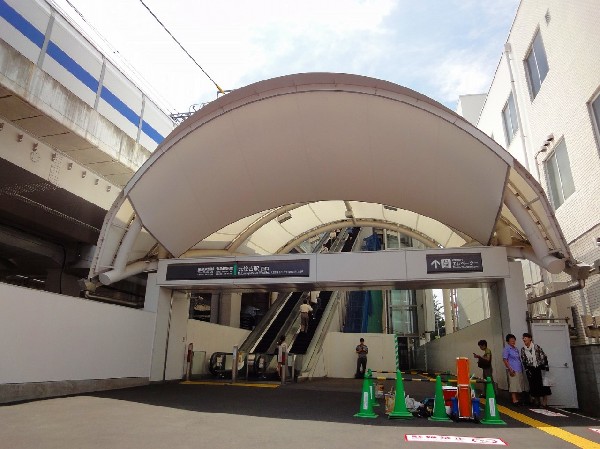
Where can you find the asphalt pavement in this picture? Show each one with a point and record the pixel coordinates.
(316, 414)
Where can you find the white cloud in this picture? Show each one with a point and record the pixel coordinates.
(237, 43)
(460, 73)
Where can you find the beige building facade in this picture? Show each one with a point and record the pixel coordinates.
(543, 106)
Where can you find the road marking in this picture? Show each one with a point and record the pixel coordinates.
(454, 439)
(569, 437)
(543, 411)
(237, 384)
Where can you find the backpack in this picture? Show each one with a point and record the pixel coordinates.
(483, 363)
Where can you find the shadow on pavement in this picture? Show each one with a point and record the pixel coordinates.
(327, 400)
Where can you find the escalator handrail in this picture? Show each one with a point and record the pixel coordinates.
(291, 325)
(320, 332)
(257, 334)
(337, 245)
(327, 316)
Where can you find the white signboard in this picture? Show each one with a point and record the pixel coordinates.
(454, 439)
(546, 412)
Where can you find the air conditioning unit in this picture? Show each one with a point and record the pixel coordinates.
(557, 307)
(561, 308)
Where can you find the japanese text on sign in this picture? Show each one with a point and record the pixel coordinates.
(454, 263)
(232, 270)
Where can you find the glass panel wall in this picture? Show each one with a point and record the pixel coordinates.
(402, 306)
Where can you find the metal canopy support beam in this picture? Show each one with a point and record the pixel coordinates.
(538, 242)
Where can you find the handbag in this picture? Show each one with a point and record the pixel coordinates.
(547, 379)
(483, 363)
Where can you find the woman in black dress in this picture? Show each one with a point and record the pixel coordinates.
(534, 362)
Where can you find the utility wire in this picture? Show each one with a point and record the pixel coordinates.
(104, 46)
(178, 43)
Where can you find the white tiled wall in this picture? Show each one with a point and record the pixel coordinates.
(561, 107)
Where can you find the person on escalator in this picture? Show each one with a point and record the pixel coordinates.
(281, 353)
(305, 310)
(314, 303)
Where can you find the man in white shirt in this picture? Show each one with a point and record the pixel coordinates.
(305, 309)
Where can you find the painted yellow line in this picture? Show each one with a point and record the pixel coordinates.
(569, 437)
(230, 384)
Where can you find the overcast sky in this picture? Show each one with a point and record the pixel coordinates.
(441, 48)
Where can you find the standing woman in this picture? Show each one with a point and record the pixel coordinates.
(281, 354)
(514, 368)
(534, 361)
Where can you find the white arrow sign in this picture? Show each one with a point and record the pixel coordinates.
(436, 263)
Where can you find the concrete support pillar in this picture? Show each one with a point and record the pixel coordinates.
(513, 302)
(170, 331)
(496, 339)
(448, 311)
(214, 308)
(424, 324)
(176, 353)
(230, 306)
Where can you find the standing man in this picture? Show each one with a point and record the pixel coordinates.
(361, 363)
(305, 309)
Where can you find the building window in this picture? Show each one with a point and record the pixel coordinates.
(509, 118)
(558, 175)
(537, 65)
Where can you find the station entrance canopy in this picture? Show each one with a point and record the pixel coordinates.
(267, 166)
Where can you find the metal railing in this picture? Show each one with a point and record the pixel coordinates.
(259, 331)
(310, 358)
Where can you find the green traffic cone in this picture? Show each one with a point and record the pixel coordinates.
(366, 405)
(400, 410)
(374, 402)
(439, 405)
(492, 416)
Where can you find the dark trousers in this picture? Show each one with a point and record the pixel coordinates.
(361, 366)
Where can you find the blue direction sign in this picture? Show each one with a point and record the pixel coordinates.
(454, 263)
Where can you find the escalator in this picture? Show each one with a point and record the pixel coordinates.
(268, 339)
(349, 242)
(302, 341)
(300, 344)
(270, 335)
(283, 320)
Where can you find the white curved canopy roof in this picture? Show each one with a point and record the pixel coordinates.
(332, 150)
